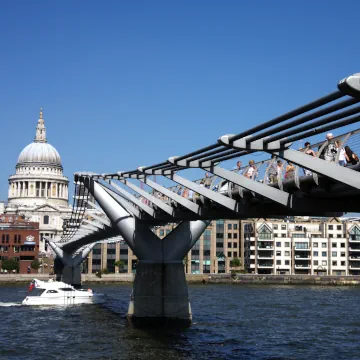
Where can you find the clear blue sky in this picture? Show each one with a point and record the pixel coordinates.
(130, 83)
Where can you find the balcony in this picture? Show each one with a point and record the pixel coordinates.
(302, 249)
(269, 247)
(301, 257)
(266, 257)
(265, 266)
(354, 249)
(307, 266)
(353, 258)
(354, 238)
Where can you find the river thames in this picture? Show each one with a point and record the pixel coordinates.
(230, 322)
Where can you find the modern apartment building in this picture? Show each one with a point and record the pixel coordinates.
(264, 246)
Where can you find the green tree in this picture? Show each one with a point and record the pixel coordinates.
(119, 264)
(235, 262)
(35, 264)
(10, 265)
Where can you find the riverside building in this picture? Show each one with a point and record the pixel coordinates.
(19, 240)
(301, 245)
(38, 191)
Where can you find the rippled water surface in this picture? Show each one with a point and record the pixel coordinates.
(230, 322)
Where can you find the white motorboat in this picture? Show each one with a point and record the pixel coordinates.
(58, 293)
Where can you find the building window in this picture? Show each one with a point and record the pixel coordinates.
(339, 236)
(342, 245)
(301, 245)
(283, 235)
(287, 253)
(229, 236)
(334, 254)
(229, 226)
(278, 262)
(229, 245)
(46, 220)
(324, 263)
(324, 253)
(287, 262)
(235, 236)
(334, 245)
(275, 227)
(278, 253)
(338, 227)
(235, 254)
(283, 227)
(342, 254)
(278, 244)
(316, 253)
(287, 244)
(316, 262)
(342, 263)
(334, 263)
(331, 235)
(315, 244)
(331, 227)
(323, 245)
(276, 235)
(299, 235)
(235, 227)
(235, 245)
(229, 254)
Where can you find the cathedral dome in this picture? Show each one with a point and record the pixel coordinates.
(39, 152)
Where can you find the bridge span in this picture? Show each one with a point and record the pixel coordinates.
(130, 203)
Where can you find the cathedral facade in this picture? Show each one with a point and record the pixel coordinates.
(38, 190)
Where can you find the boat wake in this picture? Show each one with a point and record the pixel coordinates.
(8, 304)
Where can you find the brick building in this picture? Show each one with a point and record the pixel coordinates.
(19, 239)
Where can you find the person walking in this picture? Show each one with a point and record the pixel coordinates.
(290, 171)
(329, 152)
(311, 152)
(342, 154)
(350, 156)
(273, 171)
(251, 171)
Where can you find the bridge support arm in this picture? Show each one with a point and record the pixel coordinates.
(67, 267)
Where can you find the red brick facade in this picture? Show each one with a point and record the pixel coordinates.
(19, 239)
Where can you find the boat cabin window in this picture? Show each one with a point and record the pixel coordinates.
(36, 292)
(52, 292)
(66, 289)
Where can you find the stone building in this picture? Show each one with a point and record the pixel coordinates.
(38, 190)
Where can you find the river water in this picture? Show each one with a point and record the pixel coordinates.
(230, 322)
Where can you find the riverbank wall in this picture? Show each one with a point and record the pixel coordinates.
(353, 280)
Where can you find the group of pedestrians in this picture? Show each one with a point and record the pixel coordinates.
(332, 149)
(329, 152)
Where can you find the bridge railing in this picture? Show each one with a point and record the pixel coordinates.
(276, 137)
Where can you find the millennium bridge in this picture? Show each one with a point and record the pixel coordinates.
(130, 204)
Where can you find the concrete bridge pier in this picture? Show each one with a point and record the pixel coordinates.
(160, 291)
(67, 267)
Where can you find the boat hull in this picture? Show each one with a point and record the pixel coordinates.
(63, 300)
